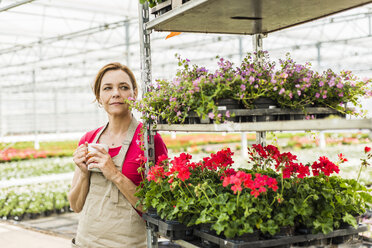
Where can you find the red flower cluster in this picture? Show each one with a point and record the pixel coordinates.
(221, 159)
(15, 154)
(156, 173)
(284, 161)
(342, 158)
(180, 168)
(257, 185)
(367, 149)
(325, 166)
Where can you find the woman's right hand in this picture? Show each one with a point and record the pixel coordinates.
(80, 157)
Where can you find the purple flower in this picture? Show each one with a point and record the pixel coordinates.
(242, 87)
(256, 86)
(281, 91)
(340, 85)
(331, 82)
(284, 75)
(178, 113)
(321, 83)
(211, 115)
(317, 95)
(306, 80)
(297, 86)
(290, 95)
(227, 114)
(251, 79)
(299, 92)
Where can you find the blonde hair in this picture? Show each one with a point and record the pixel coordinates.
(113, 67)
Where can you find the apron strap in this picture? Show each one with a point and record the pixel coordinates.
(119, 159)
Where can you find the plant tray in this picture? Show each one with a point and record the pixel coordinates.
(301, 240)
(263, 115)
(246, 17)
(172, 230)
(166, 6)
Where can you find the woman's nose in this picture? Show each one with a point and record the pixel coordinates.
(115, 92)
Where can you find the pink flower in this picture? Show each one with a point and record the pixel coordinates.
(324, 96)
(340, 85)
(211, 115)
(227, 114)
(251, 79)
(281, 91)
(299, 92)
(321, 83)
(242, 87)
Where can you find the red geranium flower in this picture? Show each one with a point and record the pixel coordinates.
(367, 149)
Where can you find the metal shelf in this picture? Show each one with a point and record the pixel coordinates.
(247, 16)
(300, 125)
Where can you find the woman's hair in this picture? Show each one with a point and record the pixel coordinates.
(113, 67)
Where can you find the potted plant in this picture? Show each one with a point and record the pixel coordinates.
(197, 92)
(275, 196)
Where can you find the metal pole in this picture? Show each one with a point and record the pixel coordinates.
(36, 138)
(1, 116)
(127, 42)
(322, 140)
(13, 5)
(258, 46)
(56, 126)
(145, 52)
(244, 144)
(319, 58)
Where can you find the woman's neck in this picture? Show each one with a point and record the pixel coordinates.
(119, 124)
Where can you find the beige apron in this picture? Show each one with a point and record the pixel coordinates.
(108, 220)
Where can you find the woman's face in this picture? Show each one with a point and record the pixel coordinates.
(115, 88)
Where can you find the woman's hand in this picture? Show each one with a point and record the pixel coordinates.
(80, 158)
(102, 160)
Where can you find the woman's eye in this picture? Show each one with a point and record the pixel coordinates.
(124, 87)
(106, 88)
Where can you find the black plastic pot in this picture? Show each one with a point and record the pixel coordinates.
(264, 103)
(228, 104)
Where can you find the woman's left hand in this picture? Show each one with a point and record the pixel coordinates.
(102, 160)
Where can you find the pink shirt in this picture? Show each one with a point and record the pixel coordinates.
(130, 164)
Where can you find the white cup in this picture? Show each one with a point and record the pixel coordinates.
(91, 149)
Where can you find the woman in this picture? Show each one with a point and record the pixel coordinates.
(106, 199)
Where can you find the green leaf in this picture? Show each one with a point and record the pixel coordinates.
(348, 218)
(366, 197)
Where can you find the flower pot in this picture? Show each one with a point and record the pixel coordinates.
(152, 212)
(18, 217)
(227, 104)
(205, 120)
(264, 103)
(247, 237)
